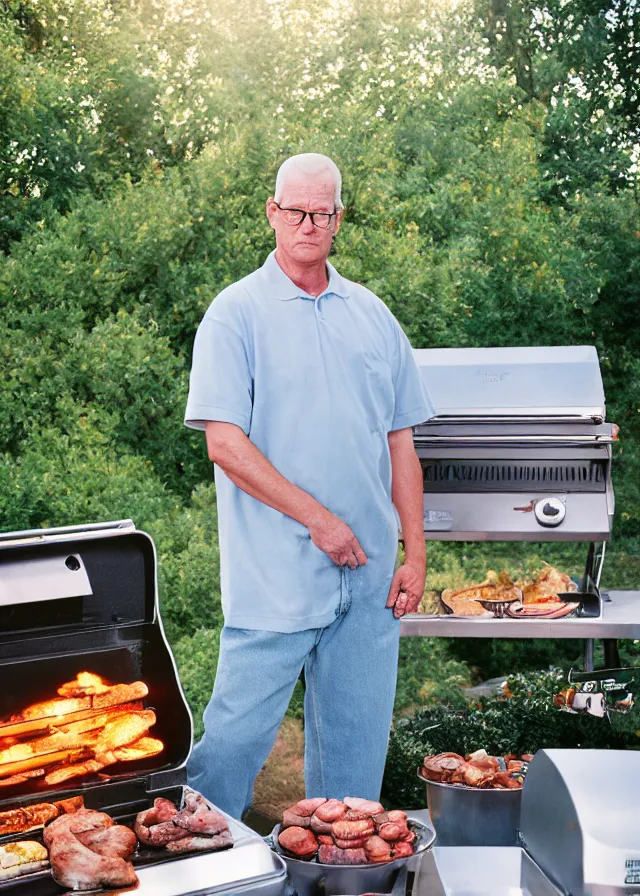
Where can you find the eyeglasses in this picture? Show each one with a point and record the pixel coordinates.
(295, 216)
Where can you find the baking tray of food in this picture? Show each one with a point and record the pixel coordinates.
(550, 595)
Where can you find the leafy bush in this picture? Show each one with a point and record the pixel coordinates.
(524, 722)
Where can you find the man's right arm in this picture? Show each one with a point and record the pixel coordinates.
(249, 469)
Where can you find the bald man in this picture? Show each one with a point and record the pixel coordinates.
(306, 388)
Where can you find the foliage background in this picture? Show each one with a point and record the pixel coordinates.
(490, 153)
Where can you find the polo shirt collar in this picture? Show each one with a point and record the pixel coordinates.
(281, 287)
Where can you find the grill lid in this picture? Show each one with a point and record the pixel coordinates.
(84, 598)
(502, 383)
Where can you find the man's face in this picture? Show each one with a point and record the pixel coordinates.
(306, 243)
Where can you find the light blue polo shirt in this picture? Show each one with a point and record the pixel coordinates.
(317, 384)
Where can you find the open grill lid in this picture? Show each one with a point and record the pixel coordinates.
(84, 598)
(550, 382)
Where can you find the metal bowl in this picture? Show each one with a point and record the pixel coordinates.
(311, 878)
(473, 816)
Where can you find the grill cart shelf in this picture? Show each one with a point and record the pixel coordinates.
(518, 450)
(620, 619)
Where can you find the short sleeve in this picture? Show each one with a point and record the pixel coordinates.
(413, 404)
(221, 384)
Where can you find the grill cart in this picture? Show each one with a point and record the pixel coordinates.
(519, 450)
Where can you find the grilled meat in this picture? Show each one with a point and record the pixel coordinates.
(402, 849)
(331, 810)
(76, 823)
(87, 850)
(299, 841)
(365, 808)
(116, 840)
(199, 817)
(353, 843)
(76, 866)
(377, 849)
(391, 831)
(16, 821)
(333, 855)
(350, 832)
(164, 826)
(477, 770)
(193, 843)
(548, 584)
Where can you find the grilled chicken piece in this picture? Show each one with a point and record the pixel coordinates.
(494, 588)
(77, 823)
(318, 826)
(299, 815)
(402, 849)
(366, 808)
(441, 766)
(76, 866)
(193, 843)
(299, 841)
(308, 807)
(199, 816)
(391, 831)
(291, 820)
(377, 849)
(117, 840)
(397, 816)
(354, 843)
(330, 811)
(549, 583)
(22, 857)
(333, 855)
(353, 830)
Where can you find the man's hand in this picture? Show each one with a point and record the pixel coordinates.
(332, 535)
(407, 588)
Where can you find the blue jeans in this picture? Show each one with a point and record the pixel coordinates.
(350, 671)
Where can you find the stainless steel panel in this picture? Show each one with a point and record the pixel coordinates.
(509, 516)
(44, 578)
(559, 380)
(480, 871)
(580, 821)
(620, 619)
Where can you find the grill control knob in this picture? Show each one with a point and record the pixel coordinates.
(550, 511)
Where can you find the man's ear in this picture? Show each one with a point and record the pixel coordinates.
(270, 209)
(339, 216)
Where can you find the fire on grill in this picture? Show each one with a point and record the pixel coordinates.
(90, 725)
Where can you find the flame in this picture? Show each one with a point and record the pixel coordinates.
(91, 724)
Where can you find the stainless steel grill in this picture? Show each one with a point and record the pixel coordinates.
(85, 598)
(518, 448)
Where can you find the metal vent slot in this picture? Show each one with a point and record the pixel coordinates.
(452, 475)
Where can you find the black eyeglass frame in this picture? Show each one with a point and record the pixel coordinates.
(312, 216)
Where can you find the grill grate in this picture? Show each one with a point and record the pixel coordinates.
(453, 475)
